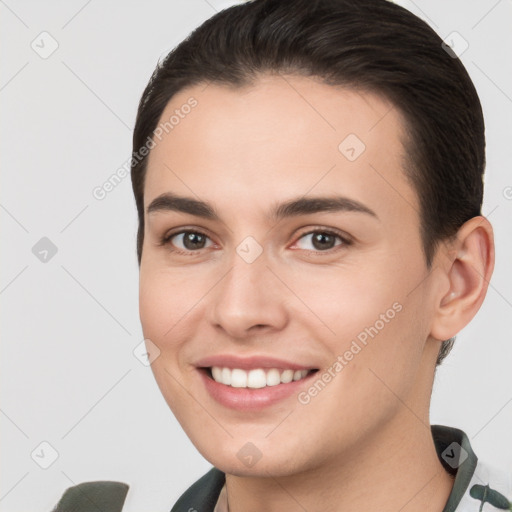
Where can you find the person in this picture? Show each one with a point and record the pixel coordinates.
(308, 180)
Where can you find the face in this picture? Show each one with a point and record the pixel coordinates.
(282, 242)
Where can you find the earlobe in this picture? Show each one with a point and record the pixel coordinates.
(468, 269)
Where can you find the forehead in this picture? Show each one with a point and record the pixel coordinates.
(282, 136)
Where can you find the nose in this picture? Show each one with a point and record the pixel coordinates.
(249, 300)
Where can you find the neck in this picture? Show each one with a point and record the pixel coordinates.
(398, 470)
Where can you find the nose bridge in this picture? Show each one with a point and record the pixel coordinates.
(247, 296)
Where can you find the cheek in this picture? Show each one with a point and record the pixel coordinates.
(165, 300)
(368, 314)
(348, 299)
(166, 303)
(154, 305)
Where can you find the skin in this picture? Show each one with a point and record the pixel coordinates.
(364, 441)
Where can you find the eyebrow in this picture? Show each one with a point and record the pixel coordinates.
(292, 208)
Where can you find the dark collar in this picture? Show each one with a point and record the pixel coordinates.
(460, 461)
(457, 457)
(202, 496)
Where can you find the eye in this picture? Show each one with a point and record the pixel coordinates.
(321, 240)
(317, 241)
(188, 240)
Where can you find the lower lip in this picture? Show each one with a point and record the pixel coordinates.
(249, 399)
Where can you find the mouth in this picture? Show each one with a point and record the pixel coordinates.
(255, 378)
(252, 383)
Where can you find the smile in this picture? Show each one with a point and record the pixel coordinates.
(253, 389)
(255, 378)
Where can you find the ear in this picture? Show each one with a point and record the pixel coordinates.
(468, 267)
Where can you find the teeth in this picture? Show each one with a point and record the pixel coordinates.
(238, 378)
(287, 376)
(273, 377)
(257, 378)
(226, 375)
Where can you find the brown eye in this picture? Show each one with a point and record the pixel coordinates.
(190, 240)
(320, 241)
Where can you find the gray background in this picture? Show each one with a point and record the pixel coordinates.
(70, 324)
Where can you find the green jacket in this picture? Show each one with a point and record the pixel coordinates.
(477, 487)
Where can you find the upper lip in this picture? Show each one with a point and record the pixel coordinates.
(249, 363)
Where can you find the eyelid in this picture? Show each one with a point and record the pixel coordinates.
(346, 239)
(166, 237)
(165, 241)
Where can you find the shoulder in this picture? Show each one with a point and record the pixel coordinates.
(106, 496)
(490, 489)
(109, 496)
(202, 496)
(478, 486)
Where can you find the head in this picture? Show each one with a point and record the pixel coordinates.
(326, 158)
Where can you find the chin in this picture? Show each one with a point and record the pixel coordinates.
(261, 469)
(258, 458)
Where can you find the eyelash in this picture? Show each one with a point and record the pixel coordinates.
(345, 241)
